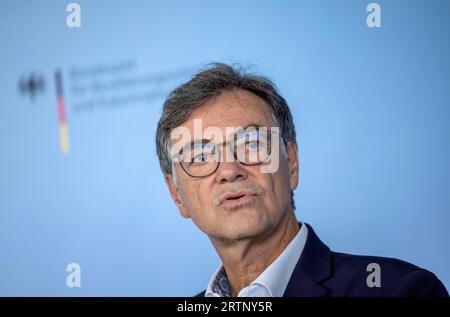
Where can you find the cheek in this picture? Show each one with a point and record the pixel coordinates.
(193, 196)
(280, 190)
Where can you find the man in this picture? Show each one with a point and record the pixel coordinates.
(227, 147)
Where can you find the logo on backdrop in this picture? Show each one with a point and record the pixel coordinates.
(99, 87)
(31, 85)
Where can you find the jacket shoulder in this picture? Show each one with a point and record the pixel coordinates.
(360, 275)
(201, 294)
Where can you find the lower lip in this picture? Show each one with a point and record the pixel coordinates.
(230, 203)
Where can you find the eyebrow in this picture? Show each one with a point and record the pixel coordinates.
(255, 125)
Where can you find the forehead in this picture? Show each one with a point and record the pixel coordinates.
(237, 108)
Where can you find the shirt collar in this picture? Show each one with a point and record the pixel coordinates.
(275, 278)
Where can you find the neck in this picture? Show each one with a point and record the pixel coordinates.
(245, 260)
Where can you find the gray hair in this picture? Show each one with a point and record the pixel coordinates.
(208, 84)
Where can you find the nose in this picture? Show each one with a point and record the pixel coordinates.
(230, 171)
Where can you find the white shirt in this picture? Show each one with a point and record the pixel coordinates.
(275, 278)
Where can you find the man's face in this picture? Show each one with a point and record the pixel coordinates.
(267, 196)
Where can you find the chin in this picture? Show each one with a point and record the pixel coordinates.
(244, 225)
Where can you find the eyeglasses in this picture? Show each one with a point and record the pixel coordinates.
(249, 148)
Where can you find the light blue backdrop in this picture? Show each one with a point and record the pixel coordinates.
(371, 108)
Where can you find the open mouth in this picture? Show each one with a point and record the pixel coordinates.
(237, 199)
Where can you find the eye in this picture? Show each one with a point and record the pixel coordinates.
(200, 158)
(252, 145)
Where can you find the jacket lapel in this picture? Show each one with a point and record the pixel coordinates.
(313, 267)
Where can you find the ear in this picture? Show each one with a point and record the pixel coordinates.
(292, 157)
(173, 189)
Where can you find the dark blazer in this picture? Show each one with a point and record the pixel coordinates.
(321, 272)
